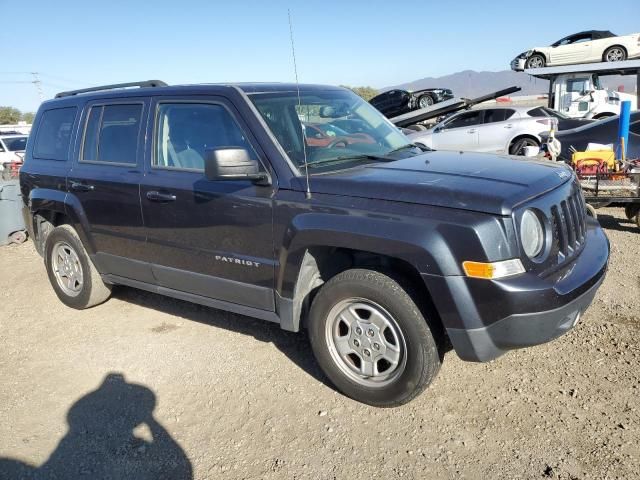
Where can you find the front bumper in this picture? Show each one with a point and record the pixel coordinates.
(484, 319)
(518, 63)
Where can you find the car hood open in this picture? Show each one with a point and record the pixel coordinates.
(464, 180)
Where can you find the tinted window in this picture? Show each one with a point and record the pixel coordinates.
(635, 128)
(185, 131)
(54, 134)
(465, 119)
(497, 115)
(537, 112)
(111, 134)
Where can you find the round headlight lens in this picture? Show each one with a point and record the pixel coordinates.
(531, 234)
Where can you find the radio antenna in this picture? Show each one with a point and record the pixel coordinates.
(295, 70)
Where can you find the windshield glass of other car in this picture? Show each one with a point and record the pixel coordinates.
(15, 144)
(305, 126)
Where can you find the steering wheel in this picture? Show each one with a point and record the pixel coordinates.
(336, 142)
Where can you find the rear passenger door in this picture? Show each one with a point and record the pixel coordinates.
(208, 238)
(496, 129)
(105, 180)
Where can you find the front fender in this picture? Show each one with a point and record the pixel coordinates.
(435, 242)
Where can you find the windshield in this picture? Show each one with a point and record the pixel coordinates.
(304, 127)
(15, 144)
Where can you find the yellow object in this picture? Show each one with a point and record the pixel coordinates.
(607, 156)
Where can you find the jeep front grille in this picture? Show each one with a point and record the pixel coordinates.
(569, 226)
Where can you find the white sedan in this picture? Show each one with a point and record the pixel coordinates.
(496, 130)
(584, 47)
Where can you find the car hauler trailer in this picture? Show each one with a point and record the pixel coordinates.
(575, 90)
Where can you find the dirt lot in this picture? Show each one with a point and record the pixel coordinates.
(148, 387)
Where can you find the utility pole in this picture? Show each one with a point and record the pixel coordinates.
(38, 84)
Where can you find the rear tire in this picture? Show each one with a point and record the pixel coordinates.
(371, 339)
(517, 147)
(615, 54)
(71, 272)
(631, 210)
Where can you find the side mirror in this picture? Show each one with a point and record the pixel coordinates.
(232, 163)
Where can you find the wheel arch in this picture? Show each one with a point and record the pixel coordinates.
(521, 136)
(320, 263)
(51, 208)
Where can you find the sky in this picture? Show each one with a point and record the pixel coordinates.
(75, 44)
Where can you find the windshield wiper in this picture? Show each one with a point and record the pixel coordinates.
(403, 147)
(361, 156)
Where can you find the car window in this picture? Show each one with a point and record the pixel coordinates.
(1, 147)
(186, 131)
(497, 115)
(576, 85)
(54, 134)
(465, 119)
(537, 112)
(16, 144)
(111, 134)
(635, 128)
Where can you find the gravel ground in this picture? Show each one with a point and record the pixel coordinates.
(148, 387)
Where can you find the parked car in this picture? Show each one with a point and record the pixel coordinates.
(380, 251)
(325, 134)
(565, 122)
(396, 102)
(584, 47)
(604, 132)
(495, 130)
(12, 147)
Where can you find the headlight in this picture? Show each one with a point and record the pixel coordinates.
(531, 234)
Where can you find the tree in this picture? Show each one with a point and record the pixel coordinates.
(28, 117)
(9, 115)
(367, 93)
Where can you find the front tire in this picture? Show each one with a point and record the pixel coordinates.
(425, 101)
(615, 54)
(71, 272)
(371, 339)
(535, 61)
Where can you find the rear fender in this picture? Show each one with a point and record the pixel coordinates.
(43, 201)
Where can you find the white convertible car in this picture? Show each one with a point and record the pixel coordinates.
(584, 47)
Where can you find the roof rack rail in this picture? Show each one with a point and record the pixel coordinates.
(143, 84)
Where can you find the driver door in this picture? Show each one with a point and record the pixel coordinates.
(460, 132)
(574, 49)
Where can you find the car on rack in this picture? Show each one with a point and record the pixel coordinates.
(495, 130)
(397, 101)
(383, 253)
(585, 47)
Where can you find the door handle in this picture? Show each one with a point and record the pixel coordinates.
(473, 130)
(508, 126)
(81, 187)
(156, 196)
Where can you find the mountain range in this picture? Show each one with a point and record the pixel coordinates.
(470, 83)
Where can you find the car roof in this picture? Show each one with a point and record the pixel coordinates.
(197, 89)
(596, 34)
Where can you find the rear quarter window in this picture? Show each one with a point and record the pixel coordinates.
(54, 134)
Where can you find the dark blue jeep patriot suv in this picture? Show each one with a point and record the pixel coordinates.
(250, 198)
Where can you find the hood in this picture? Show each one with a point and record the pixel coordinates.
(464, 180)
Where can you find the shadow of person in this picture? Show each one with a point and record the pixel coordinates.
(101, 442)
